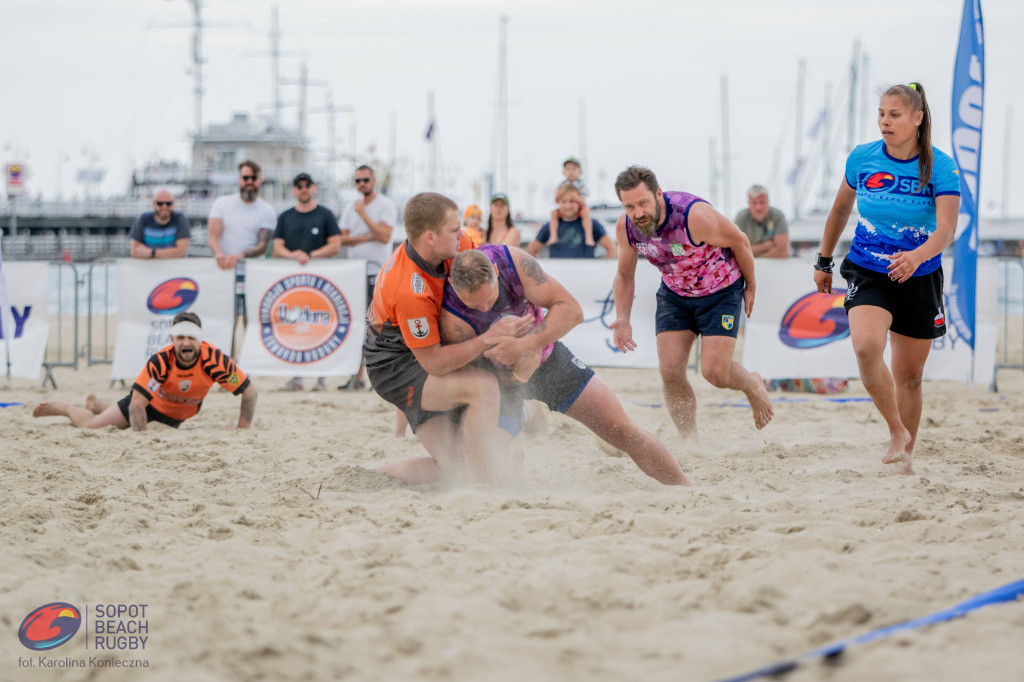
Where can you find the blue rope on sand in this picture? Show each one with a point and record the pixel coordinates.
(11, 404)
(999, 595)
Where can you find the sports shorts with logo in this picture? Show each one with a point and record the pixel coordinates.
(557, 383)
(716, 314)
(915, 305)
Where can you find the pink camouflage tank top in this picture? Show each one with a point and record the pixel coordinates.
(688, 269)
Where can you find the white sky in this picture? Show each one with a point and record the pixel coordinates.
(101, 79)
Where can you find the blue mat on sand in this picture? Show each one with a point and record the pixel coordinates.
(776, 401)
(999, 595)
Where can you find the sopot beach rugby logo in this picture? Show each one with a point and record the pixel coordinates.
(814, 320)
(49, 626)
(173, 296)
(303, 319)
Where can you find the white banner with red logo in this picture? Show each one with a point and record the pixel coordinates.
(590, 281)
(151, 292)
(796, 332)
(304, 321)
(25, 322)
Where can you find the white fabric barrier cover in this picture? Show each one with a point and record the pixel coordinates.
(590, 281)
(304, 321)
(151, 292)
(799, 333)
(26, 322)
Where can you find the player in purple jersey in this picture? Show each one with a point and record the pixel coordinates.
(907, 194)
(707, 279)
(494, 281)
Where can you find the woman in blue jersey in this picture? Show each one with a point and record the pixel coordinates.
(908, 195)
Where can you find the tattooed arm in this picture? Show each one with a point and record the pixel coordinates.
(248, 407)
(455, 330)
(137, 411)
(262, 242)
(564, 311)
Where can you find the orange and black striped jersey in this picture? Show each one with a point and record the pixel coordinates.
(178, 393)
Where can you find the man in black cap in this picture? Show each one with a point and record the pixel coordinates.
(304, 232)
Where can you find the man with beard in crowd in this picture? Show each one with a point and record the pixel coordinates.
(366, 226)
(240, 227)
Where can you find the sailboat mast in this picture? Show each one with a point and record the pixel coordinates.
(503, 100)
(726, 163)
(432, 144)
(197, 89)
(798, 135)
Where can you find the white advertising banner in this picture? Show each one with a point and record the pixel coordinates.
(25, 322)
(796, 332)
(151, 292)
(950, 359)
(304, 321)
(590, 281)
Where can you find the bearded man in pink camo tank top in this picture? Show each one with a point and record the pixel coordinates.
(707, 278)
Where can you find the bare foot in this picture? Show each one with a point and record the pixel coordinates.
(553, 240)
(51, 408)
(897, 453)
(93, 404)
(897, 447)
(759, 401)
(589, 241)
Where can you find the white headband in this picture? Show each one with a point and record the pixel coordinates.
(186, 328)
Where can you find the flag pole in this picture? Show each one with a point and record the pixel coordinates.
(968, 110)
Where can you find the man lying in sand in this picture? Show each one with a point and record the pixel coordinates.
(451, 407)
(497, 281)
(169, 390)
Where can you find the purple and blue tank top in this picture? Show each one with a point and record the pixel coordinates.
(511, 297)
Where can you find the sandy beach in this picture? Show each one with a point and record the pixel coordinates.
(279, 554)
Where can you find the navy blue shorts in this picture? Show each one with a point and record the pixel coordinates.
(557, 383)
(915, 305)
(716, 314)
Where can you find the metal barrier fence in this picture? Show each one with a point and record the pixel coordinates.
(90, 355)
(65, 354)
(64, 347)
(1006, 319)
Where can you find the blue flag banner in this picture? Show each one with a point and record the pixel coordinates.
(968, 99)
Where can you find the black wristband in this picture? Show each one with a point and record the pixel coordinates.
(152, 253)
(824, 261)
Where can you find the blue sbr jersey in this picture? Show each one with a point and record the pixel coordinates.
(896, 214)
